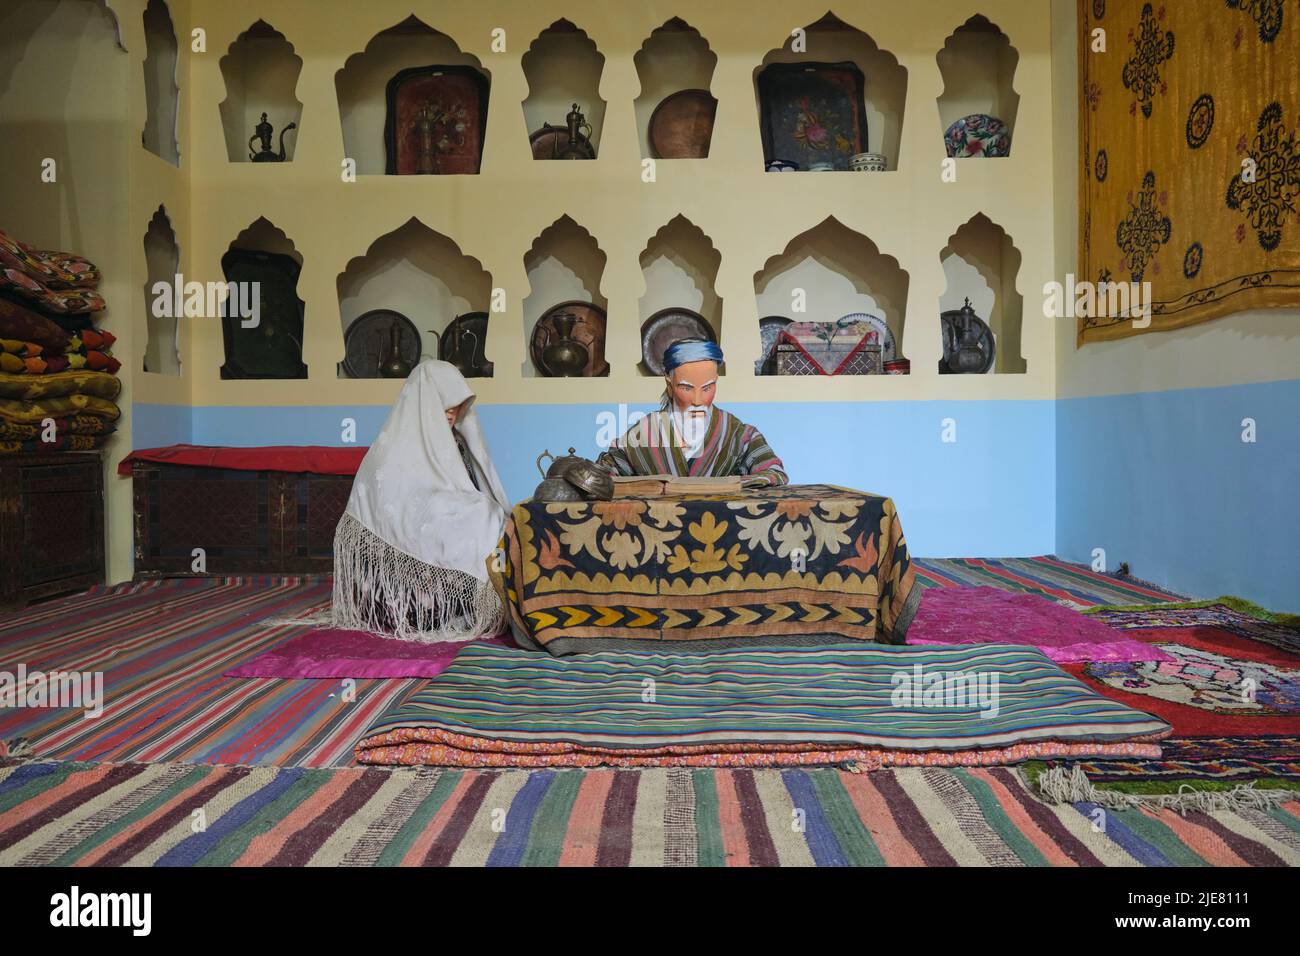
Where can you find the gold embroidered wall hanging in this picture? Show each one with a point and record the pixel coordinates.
(1190, 139)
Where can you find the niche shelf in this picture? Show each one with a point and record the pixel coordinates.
(564, 266)
(161, 93)
(418, 273)
(829, 41)
(362, 89)
(981, 263)
(834, 272)
(261, 74)
(978, 65)
(675, 61)
(162, 256)
(272, 348)
(562, 67)
(680, 267)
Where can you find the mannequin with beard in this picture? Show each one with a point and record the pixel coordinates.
(689, 435)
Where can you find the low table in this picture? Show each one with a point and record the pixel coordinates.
(793, 565)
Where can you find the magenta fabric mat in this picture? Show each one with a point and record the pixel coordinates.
(994, 616)
(335, 652)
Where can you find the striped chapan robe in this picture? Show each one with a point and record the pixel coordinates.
(653, 447)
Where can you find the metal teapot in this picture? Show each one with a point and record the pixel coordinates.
(573, 478)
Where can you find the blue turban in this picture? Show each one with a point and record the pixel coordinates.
(691, 350)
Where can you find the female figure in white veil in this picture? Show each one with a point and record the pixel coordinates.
(424, 518)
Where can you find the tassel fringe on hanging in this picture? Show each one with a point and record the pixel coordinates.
(379, 589)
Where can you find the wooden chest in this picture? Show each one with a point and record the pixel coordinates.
(191, 520)
(51, 525)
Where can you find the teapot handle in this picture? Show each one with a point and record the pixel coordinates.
(544, 454)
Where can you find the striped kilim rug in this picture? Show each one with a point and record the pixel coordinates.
(835, 705)
(164, 645)
(173, 815)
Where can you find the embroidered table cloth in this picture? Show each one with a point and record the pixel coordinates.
(789, 565)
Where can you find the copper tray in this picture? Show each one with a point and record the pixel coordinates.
(589, 330)
(682, 125)
(549, 141)
(667, 326)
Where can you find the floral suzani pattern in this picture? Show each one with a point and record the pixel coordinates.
(801, 563)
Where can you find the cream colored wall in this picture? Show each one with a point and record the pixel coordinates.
(1248, 347)
(495, 217)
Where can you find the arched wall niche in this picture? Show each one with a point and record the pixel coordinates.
(162, 94)
(564, 264)
(834, 271)
(162, 258)
(261, 74)
(680, 268)
(673, 58)
(362, 84)
(562, 67)
(418, 272)
(978, 66)
(833, 40)
(981, 263)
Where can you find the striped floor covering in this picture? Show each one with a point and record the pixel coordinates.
(174, 814)
(163, 646)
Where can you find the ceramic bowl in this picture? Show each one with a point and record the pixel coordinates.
(978, 135)
(868, 162)
(781, 166)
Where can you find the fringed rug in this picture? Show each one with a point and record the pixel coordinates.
(1232, 695)
(70, 814)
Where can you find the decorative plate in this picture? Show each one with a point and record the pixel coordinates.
(887, 347)
(367, 344)
(682, 125)
(666, 327)
(437, 120)
(549, 141)
(589, 331)
(978, 135)
(812, 113)
(463, 344)
(769, 329)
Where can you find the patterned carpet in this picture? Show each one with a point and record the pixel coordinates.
(188, 767)
(164, 645)
(178, 815)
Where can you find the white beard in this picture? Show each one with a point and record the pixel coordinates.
(693, 427)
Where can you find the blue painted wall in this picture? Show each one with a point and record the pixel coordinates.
(1163, 481)
(156, 425)
(990, 493)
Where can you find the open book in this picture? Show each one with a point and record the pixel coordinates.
(655, 486)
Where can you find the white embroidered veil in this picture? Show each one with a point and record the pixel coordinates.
(411, 550)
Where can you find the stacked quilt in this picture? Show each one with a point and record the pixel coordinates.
(859, 706)
(58, 382)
